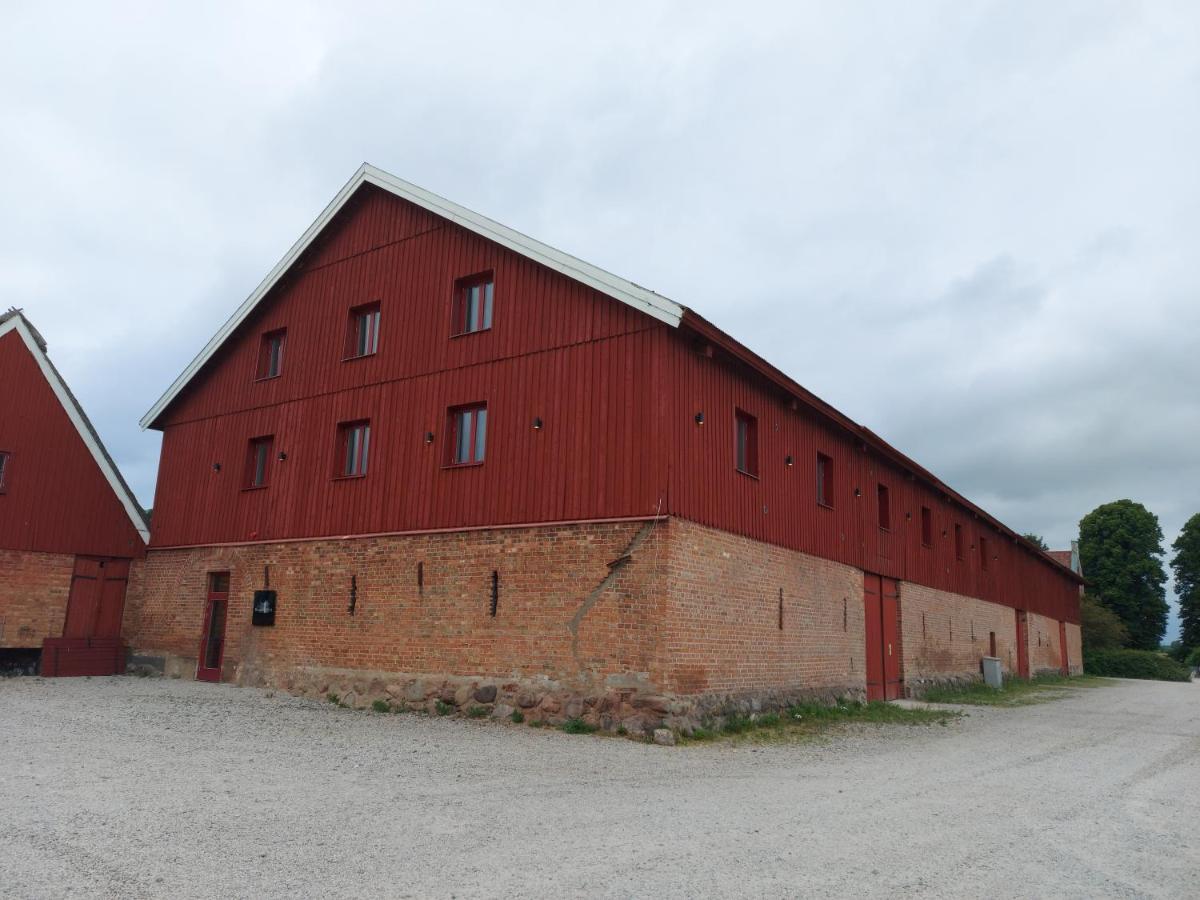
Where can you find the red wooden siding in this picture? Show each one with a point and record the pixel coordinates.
(617, 393)
(56, 499)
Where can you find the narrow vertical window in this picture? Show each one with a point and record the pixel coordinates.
(473, 303)
(885, 508)
(468, 435)
(824, 480)
(926, 526)
(983, 553)
(746, 442)
(354, 445)
(258, 461)
(362, 338)
(958, 542)
(3, 470)
(270, 354)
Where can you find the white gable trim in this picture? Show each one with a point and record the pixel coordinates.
(627, 292)
(84, 428)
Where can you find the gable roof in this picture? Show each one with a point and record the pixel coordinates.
(634, 295)
(14, 320)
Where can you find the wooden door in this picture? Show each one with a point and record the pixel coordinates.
(1022, 644)
(97, 599)
(212, 640)
(890, 609)
(873, 627)
(1062, 648)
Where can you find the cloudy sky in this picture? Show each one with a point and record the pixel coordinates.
(973, 227)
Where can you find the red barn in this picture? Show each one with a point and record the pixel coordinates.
(69, 525)
(445, 461)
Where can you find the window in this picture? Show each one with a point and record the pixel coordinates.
(270, 354)
(885, 509)
(983, 553)
(354, 442)
(468, 435)
(926, 526)
(3, 471)
(958, 542)
(824, 480)
(258, 461)
(362, 339)
(473, 304)
(746, 442)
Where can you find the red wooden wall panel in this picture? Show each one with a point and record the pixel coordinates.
(56, 498)
(616, 390)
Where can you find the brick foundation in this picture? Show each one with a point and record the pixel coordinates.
(633, 624)
(33, 596)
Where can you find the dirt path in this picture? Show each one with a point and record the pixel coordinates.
(148, 788)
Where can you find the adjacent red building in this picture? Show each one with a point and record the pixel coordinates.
(69, 525)
(449, 458)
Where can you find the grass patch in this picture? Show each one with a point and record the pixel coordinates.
(443, 708)
(577, 726)
(477, 712)
(517, 716)
(808, 719)
(1016, 691)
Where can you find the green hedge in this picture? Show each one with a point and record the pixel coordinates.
(1134, 664)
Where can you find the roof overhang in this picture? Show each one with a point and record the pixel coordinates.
(634, 295)
(79, 419)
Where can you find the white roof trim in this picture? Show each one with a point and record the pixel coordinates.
(627, 292)
(80, 420)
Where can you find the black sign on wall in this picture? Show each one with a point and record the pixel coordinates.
(264, 608)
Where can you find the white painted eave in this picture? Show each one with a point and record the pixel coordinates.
(636, 296)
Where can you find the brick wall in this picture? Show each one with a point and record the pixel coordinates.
(721, 628)
(33, 596)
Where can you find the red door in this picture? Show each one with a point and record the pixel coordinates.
(97, 599)
(1022, 644)
(1062, 646)
(212, 640)
(881, 607)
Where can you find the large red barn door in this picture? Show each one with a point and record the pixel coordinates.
(97, 599)
(1022, 644)
(881, 608)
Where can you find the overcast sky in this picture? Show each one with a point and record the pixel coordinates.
(973, 227)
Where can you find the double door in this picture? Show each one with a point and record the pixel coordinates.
(881, 601)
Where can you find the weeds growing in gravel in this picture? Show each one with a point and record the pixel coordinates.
(577, 726)
(477, 712)
(1016, 691)
(811, 718)
(517, 717)
(380, 706)
(443, 708)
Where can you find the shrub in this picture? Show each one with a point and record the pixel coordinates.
(1134, 664)
(1101, 627)
(380, 706)
(1193, 659)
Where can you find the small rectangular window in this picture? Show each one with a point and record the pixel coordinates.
(958, 542)
(270, 354)
(362, 338)
(354, 445)
(824, 480)
(746, 442)
(473, 303)
(4, 455)
(258, 461)
(983, 553)
(885, 509)
(468, 435)
(926, 526)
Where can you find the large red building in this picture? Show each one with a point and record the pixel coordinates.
(69, 525)
(461, 459)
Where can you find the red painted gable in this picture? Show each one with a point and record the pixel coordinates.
(56, 499)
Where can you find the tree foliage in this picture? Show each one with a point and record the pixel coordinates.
(1036, 539)
(1102, 628)
(1186, 566)
(1119, 546)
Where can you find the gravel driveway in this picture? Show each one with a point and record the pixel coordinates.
(124, 787)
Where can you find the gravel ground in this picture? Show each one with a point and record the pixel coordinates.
(124, 787)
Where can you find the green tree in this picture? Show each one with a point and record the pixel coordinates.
(1186, 566)
(1102, 629)
(1036, 539)
(1119, 545)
